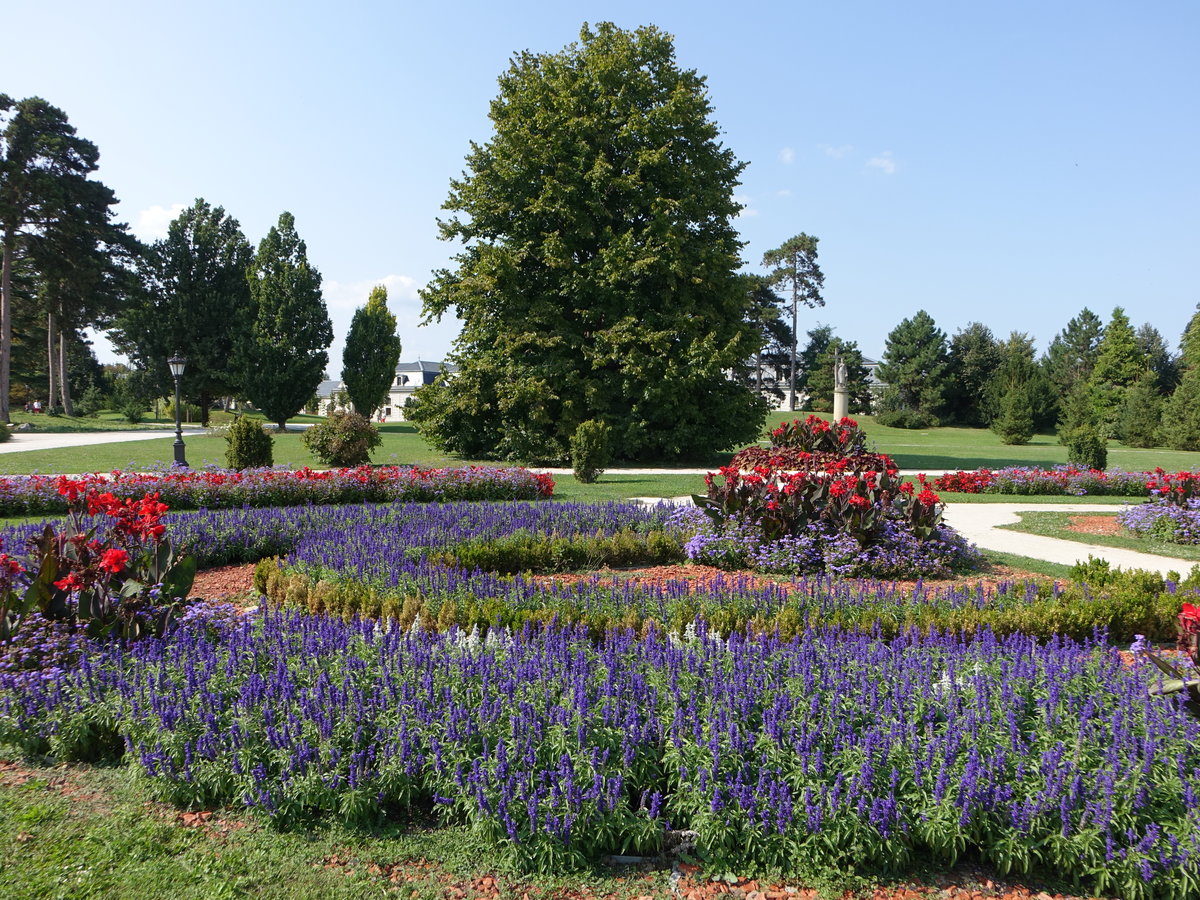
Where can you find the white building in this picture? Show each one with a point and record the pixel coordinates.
(409, 377)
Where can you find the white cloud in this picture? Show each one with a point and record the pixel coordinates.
(152, 223)
(402, 293)
(430, 342)
(784, 193)
(746, 211)
(787, 155)
(836, 152)
(883, 162)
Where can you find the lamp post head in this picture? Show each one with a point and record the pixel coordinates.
(177, 364)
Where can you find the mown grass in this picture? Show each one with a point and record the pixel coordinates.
(972, 448)
(929, 449)
(1056, 525)
(89, 832)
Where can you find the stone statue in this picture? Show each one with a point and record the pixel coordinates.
(841, 377)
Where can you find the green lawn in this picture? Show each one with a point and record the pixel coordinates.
(971, 448)
(401, 444)
(91, 832)
(928, 449)
(1054, 524)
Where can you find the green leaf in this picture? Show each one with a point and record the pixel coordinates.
(177, 582)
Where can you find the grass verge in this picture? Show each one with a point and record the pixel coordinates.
(1057, 525)
(83, 832)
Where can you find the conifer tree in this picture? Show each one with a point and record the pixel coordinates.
(915, 367)
(1119, 362)
(371, 353)
(286, 345)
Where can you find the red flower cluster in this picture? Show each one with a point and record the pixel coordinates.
(136, 519)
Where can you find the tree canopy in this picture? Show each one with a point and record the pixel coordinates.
(915, 366)
(196, 301)
(598, 274)
(371, 353)
(46, 199)
(285, 351)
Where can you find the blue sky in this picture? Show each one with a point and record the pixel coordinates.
(1005, 163)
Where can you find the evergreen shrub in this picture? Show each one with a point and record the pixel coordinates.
(249, 446)
(590, 451)
(1087, 448)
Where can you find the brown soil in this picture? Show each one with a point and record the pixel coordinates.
(224, 582)
(1095, 525)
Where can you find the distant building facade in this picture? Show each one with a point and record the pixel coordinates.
(409, 377)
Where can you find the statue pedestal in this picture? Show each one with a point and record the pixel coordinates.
(841, 404)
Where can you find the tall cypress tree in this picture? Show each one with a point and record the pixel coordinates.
(371, 353)
(285, 352)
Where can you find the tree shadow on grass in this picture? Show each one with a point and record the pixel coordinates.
(966, 463)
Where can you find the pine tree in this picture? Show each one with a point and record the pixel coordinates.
(286, 345)
(794, 270)
(1118, 364)
(1189, 343)
(371, 353)
(1181, 414)
(1071, 356)
(1141, 414)
(974, 359)
(916, 368)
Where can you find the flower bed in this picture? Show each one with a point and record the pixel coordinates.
(1058, 481)
(1174, 512)
(833, 750)
(215, 488)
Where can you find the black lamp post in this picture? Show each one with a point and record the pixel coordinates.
(177, 364)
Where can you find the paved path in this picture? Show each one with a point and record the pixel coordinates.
(35, 440)
(978, 523)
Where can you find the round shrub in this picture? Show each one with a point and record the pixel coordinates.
(344, 439)
(1087, 448)
(590, 450)
(249, 447)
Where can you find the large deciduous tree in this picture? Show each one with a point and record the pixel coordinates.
(598, 277)
(286, 345)
(196, 301)
(44, 168)
(794, 271)
(371, 353)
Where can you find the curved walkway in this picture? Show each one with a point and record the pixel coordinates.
(980, 523)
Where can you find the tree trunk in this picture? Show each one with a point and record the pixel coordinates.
(51, 362)
(5, 324)
(64, 383)
(205, 403)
